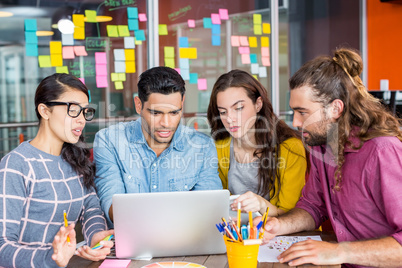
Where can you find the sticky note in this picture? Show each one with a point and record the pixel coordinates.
(244, 50)
(90, 15)
(129, 54)
(80, 51)
(235, 41)
(56, 60)
(266, 61)
(191, 23)
(193, 78)
(163, 29)
(44, 61)
(119, 54)
(132, 13)
(245, 58)
(114, 77)
(266, 28)
(255, 77)
(142, 17)
(67, 39)
(223, 14)
(118, 85)
(169, 62)
(207, 23)
(183, 41)
(100, 58)
(119, 66)
(257, 19)
(265, 41)
(31, 50)
(130, 66)
(169, 52)
(263, 72)
(79, 33)
(215, 18)
(68, 53)
(177, 70)
(185, 73)
(101, 81)
(55, 47)
(123, 30)
(101, 69)
(89, 92)
(216, 40)
(184, 63)
(30, 25)
(129, 42)
(188, 53)
(139, 35)
(202, 84)
(216, 29)
(112, 31)
(252, 40)
(257, 29)
(122, 76)
(244, 41)
(133, 24)
(253, 58)
(31, 38)
(265, 51)
(114, 263)
(138, 42)
(62, 70)
(255, 69)
(78, 20)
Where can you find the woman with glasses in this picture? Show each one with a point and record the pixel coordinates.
(46, 184)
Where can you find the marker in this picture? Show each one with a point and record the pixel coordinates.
(244, 232)
(238, 215)
(107, 238)
(66, 224)
(250, 219)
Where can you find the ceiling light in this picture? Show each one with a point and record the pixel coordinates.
(4, 14)
(65, 26)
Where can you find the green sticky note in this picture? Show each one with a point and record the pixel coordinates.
(118, 85)
(163, 29)
(114, 77)
(169, 52)
(169, 62)
(257, 19)
(257, 29)
(122, 76)
(62, 69)
(90, 15)
(112, 31)
(44, 61)
(123, 30)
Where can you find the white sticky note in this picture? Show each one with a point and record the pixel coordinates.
(119, 67)
(263, 72)
(129, 42)
(119, 55)
(255, 69)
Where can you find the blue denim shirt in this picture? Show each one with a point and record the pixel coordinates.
(126, 164)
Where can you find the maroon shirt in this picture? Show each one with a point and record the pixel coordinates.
(369, 204)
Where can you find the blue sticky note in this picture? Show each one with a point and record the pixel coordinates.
(207, 23)
(31, 50)
(253, 58)
(216, 40)
(193, 78)
(89, 93)
(31, 38)
(132, 13)
(185, 73)
(216, 29)
(184, 63)
(183, 42)
(30, 25)
(139, 35)
(133, 24)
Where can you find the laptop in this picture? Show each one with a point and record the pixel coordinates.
(169, 224)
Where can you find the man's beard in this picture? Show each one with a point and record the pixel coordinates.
(323, 136)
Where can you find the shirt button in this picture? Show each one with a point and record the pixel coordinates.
(185, 186)
(154, 165)
(154, 186)
(129, 177)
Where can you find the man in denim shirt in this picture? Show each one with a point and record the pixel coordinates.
(155, 153)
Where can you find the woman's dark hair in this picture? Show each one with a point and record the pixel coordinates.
(77, 155)
(270, 131)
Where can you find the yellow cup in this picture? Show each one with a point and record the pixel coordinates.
(241, 256)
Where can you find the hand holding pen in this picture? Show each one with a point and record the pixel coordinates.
(100, 246)
(64, 243)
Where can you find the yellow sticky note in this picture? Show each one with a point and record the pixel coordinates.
(265, 41)
(79, 33)
(56, 60)
(114, 77)
(169, 52)
(169, 62)
(78, 20)
(188, 53)
(257, 29)
(129, 54)
(266, 28)
(118, 85)
(122, 76)
(112, 31)
(55, 47)
(62, 69)
(138, 42)
(163, 29)
(257, 18)
(44, 61)
(90, 15)
(252, 40)
(255, 76)
(123, 30)
(130, 66)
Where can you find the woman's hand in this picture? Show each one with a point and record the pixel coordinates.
(250, 202)
(100, 253)
(63, 250)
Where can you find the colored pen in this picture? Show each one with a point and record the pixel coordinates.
(107, 238)
(265, 221)
(237, 232)
(250, 219)
(244, 232)
(238, 215)
(66, 224)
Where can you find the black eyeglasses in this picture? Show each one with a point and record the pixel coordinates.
(74, 109)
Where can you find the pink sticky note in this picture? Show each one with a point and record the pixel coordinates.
(142, 17)
(191, 23)
(245, 59)
(109, 263)
(202, 84)
(244, 50)
(177, 70)
(101, 81)
(223, 13)
(82, 80)
(244, 41)
(235, 41)
(100, 58)
(101, 69)
(265, 51)
(68, 53)
(216, 19)
(266, 61)
(80, 51)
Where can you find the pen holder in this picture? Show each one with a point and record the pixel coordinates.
(241, 256)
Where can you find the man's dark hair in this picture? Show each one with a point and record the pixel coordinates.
(163, 80)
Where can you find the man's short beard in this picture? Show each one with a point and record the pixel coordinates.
(321, 138)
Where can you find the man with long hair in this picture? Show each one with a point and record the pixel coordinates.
(356, 166)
